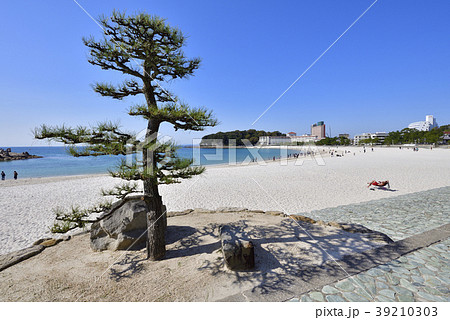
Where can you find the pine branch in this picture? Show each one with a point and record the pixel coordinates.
(180, 115)
(103, 139)
(129, 171)
(76, 217)
(128, 88)
(122, 190)
(111, 56)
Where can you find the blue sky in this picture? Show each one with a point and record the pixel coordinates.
(390, 69)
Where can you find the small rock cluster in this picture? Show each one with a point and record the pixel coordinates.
(223, 210)
(7, 155)
(12, 258)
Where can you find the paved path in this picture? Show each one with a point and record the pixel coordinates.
(398, 217)
(423, 275)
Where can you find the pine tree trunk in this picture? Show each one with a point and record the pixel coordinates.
(156, 225)
(156, 218)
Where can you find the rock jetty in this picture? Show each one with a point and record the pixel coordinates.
(7, 155)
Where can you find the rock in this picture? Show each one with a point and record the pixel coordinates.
(123, 228)
(179, 213)
(256, 211)
(302, 218)
(275, 213)
(65, 237)
(239, 254)
(50, 242)
(10, 259)
(40, 241)
(231, 209)
(353, 228)
(321, 223)
(7, 155)
(201, 210)
(334, 224)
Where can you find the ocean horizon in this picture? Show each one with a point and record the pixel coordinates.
(56, 161)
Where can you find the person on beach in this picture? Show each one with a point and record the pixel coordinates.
(379, 183)
(3, 175)
(15, 175)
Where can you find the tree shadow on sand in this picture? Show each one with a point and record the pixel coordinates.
(130, 265)
(285, 253)
(198, 241)
(289, 252)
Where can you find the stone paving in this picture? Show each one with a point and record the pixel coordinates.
(398, 217)
(423, 275)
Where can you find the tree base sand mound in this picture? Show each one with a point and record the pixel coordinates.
(193, 269)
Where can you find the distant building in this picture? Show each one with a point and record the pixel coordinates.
(304, 138)
(427, 125)
(446, 137)
(284, 140)
(274, 140)
(357, 139)
(291, 134)
(380, 135)
(210, 143)
(318, 129)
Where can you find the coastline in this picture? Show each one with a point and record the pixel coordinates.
(42, 180)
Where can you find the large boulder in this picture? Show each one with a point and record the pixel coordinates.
(124, 227)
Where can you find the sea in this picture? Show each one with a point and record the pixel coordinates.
(56, 161)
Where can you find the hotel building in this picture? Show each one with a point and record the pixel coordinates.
(427, 125)
(318, 129)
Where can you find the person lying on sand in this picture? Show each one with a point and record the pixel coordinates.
(379, 183)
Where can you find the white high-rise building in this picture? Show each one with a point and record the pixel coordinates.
(427, 125)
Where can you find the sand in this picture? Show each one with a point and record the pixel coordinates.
(289, 186)
(193, 269)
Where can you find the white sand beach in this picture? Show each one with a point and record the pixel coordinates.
(289, 186)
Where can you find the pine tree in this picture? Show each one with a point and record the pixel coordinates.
(148, 50)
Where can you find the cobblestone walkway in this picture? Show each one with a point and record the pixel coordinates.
(423, 275)
(398, 217)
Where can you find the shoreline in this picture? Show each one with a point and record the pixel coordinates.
(88, 175)
(51, 179)
(243, 163)
(326, 154)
